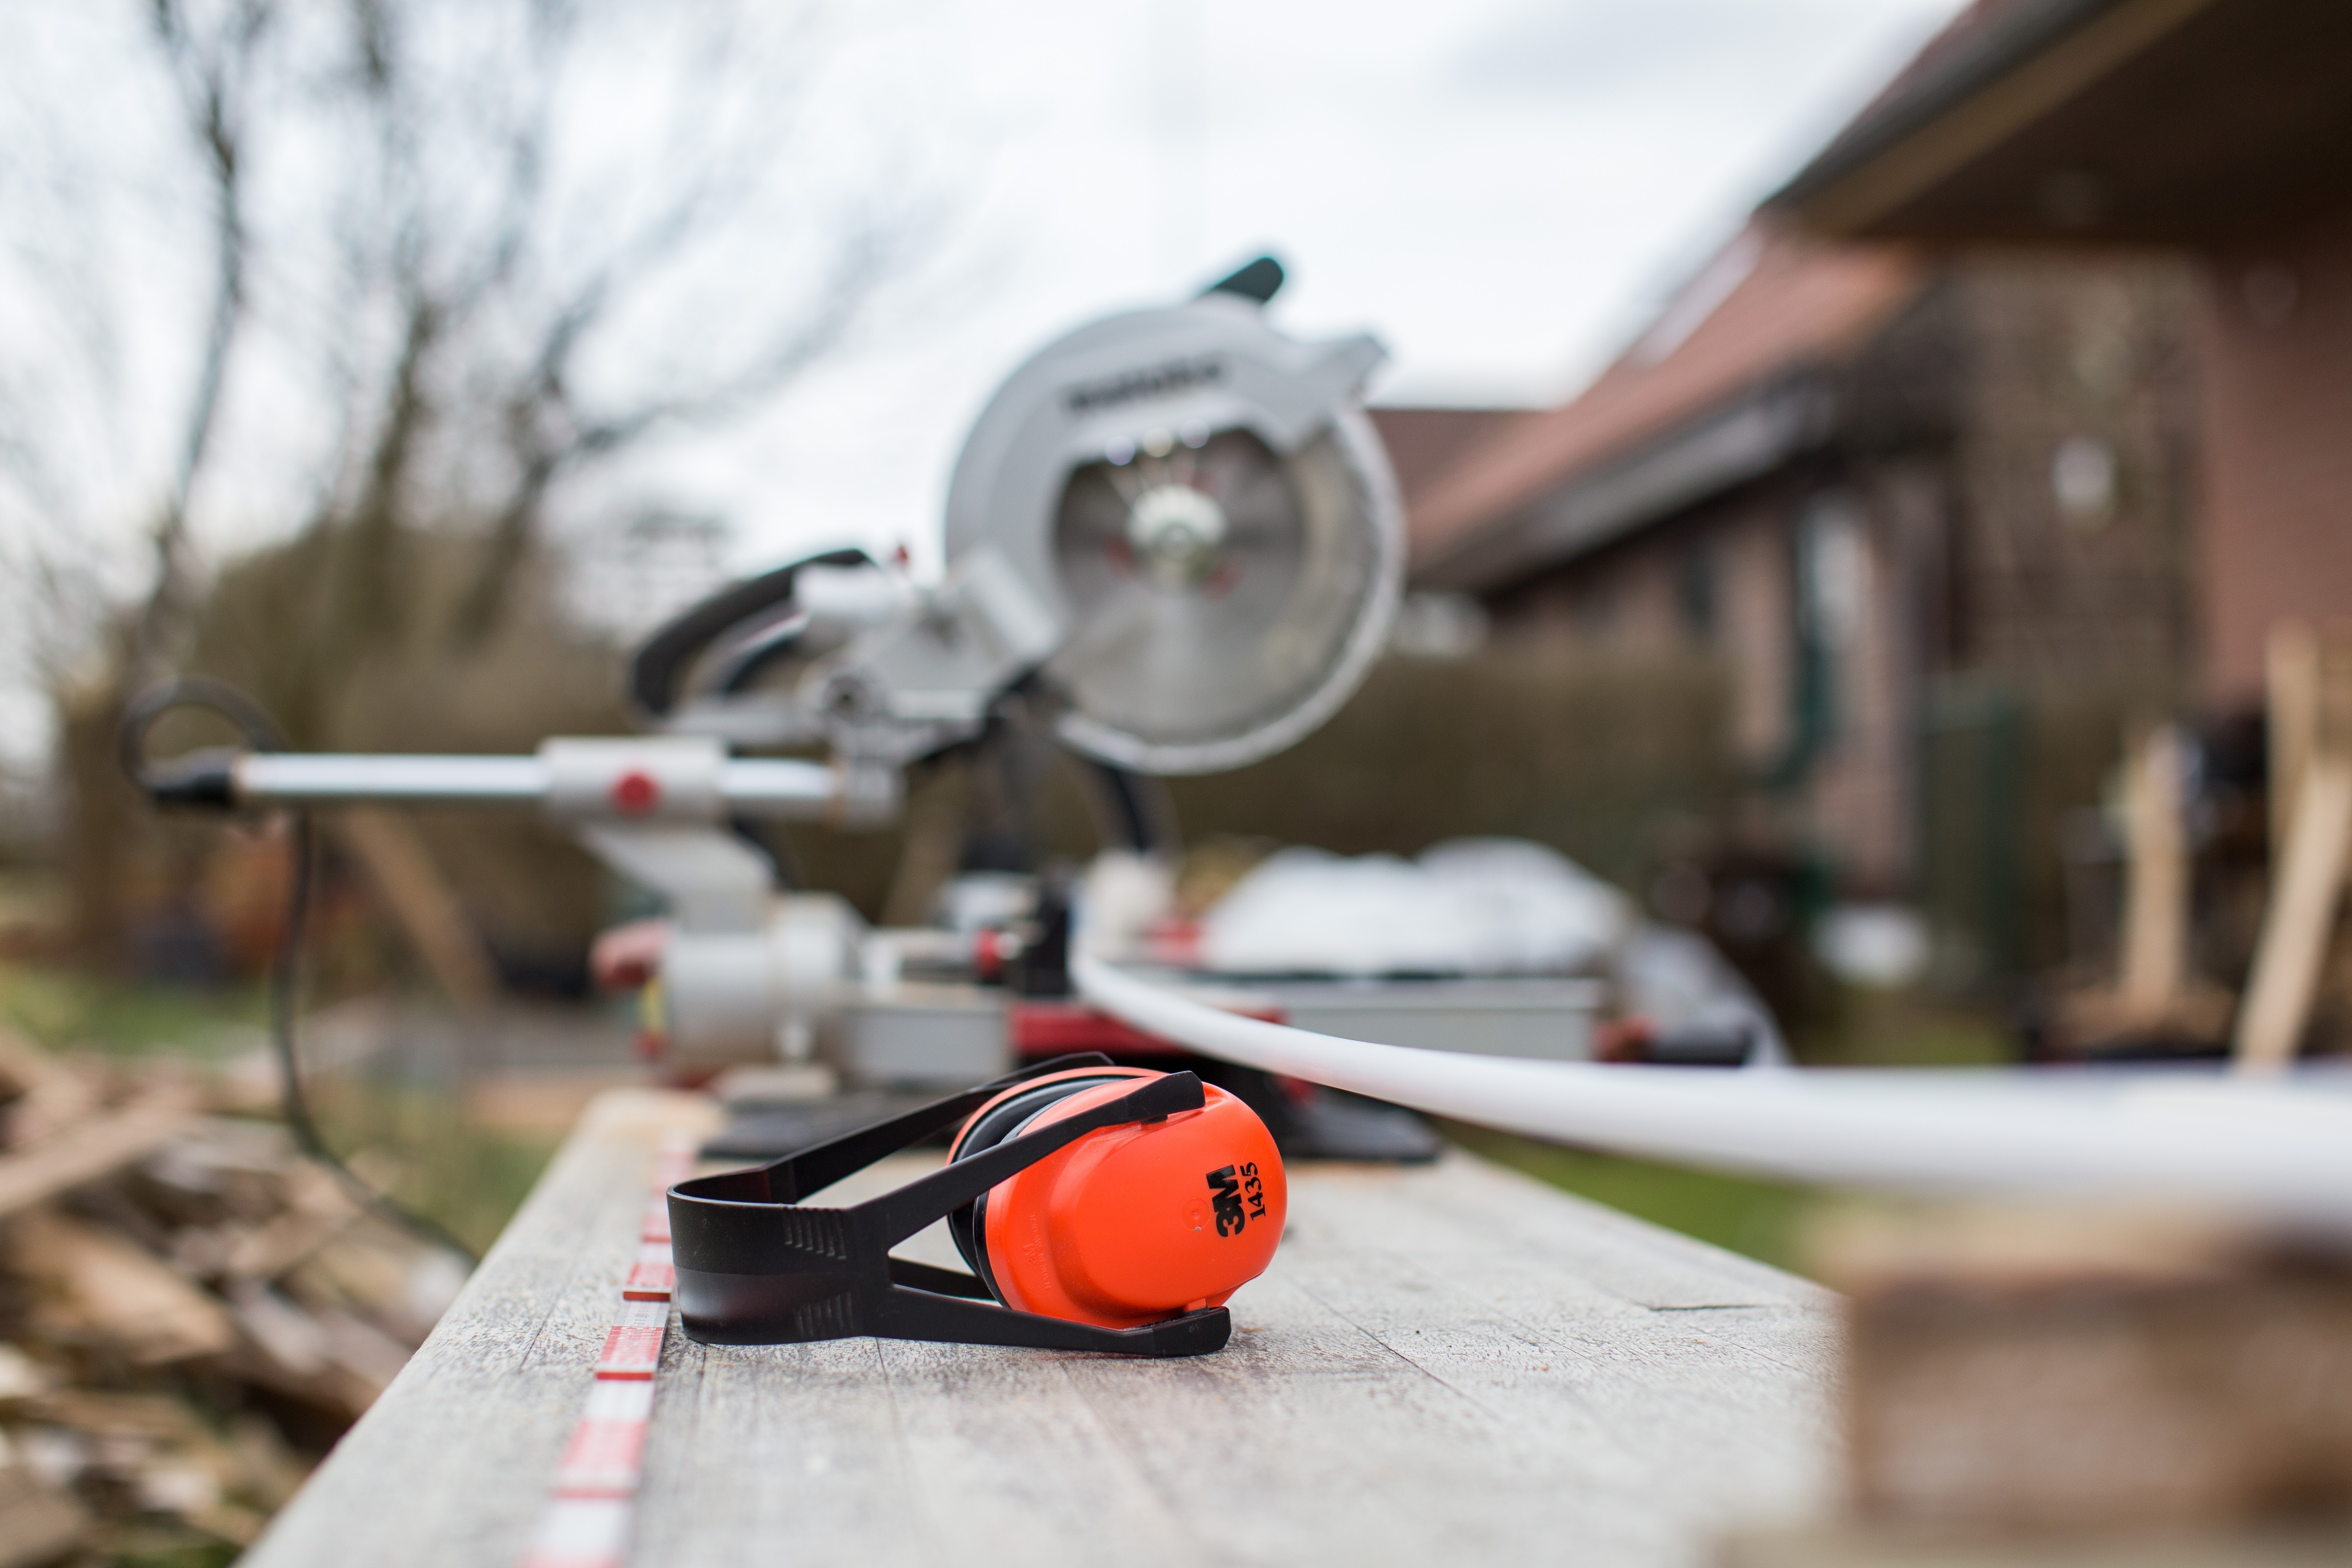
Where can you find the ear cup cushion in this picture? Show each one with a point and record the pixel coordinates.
(1006, 1117)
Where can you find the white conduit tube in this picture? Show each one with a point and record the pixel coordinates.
(2276, 1150)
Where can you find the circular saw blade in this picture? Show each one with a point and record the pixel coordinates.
(1242, 650)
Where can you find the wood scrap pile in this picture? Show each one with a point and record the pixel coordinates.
(190, 1312)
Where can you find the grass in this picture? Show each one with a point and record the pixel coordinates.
(415, 1141)
(69, 1009)
(1767, 1221)
(1870, 1027)
(161, 1546)
(1763, 1220)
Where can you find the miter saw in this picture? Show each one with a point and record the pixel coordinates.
(1173, 531)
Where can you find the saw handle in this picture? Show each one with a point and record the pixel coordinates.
(1255, 282)
(658, 673)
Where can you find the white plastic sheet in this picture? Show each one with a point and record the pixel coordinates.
(1469, 906)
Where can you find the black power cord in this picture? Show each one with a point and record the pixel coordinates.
(262, 734)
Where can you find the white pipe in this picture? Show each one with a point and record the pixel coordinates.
(327, 778)
(2276, 1150)
(779, 786)
(754, 786)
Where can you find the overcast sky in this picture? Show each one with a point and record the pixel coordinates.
(1500, 189)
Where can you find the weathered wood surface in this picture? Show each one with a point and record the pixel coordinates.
(1451, 1363)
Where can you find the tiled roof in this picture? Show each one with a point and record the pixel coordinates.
(1985, 41)
(1425, 443)
(1964, 34)
(1771, 301)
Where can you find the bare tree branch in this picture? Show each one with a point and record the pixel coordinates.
(486, 341)
(212, 73)
(433, 293)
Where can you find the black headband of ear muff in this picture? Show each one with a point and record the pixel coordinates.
(755, 1268)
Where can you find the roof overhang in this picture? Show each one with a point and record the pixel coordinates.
(2189, 122)
(1740, 440)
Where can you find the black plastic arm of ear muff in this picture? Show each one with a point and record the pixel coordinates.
(817, 1167)
(760, 1269)
(912, 1315)
(939, 1281)
(897, 1216)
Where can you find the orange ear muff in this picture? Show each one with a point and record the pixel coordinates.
(1130, 1224)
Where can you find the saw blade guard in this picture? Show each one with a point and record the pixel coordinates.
(1203, 506)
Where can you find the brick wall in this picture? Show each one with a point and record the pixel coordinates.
(1754, 628)
(1856, 798)
(1623, 602)
(1968, 562)
(2094, 353)
(2277, 541)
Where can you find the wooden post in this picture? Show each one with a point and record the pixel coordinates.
(2156, 1003)
(2311, 722)
(2156, 887)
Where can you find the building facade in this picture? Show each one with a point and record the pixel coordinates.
(2217, 133)
(1868, 483)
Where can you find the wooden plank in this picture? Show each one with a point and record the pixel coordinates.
(2290, 681)
(2156, 880)
(2320, 1544)
(2048, 1368)
(25, 1069)
(95, 1147)
(2310, 717)
(2296, 927)
(98, 1287)
(1445, 1364)
(37, 1523)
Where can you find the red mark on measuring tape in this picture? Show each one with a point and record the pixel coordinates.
(653, 1277)
(608, 1447)
(633, 1348)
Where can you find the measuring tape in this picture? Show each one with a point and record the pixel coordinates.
(593, 1504)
